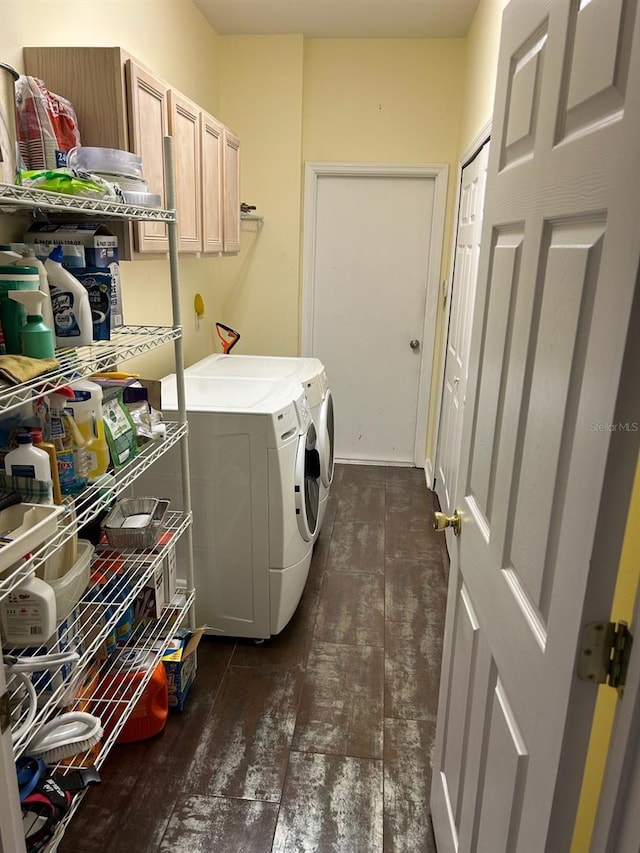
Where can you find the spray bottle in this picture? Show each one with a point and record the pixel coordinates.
(62, 431)
(36, 339)
(73, 325)
(29, 257)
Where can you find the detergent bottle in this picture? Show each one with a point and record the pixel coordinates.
(72, 321)
(86, 406)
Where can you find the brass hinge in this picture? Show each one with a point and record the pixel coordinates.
(5, 712)
(605, 652)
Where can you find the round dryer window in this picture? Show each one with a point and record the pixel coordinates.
(307, 486)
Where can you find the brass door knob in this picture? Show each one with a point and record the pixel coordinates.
(442, 521)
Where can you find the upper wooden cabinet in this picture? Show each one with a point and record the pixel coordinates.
(231, 187)
(184, 126)
(119, 104)
(147, 99)
(211, 165)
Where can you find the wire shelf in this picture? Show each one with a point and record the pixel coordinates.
(150, 640)
(93, 622)
(16, 198)
(75, 363)
(90, 503)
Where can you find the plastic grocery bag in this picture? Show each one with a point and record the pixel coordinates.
(47, 125)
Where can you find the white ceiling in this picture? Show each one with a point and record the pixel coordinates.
(341, 18)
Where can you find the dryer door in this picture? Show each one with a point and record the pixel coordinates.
(326, 440)
(307, 485)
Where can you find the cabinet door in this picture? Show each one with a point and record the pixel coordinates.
(231, 192)
(148, 126)
(184, 126)
(211, 150)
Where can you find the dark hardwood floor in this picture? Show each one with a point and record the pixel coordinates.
(320, 740)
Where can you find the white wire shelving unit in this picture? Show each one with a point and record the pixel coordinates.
(94, 618)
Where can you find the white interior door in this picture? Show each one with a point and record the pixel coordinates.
(463, 292)
(544, 471)
(376, 242)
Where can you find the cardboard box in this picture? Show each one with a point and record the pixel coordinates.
(150, 600)
(169, 565)
(181, 663)
(85, 244)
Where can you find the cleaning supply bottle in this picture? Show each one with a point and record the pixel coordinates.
(29, 257)
(62, 431)
(28, 613)
(36, 338)
(27, 460)
(12, 314)
(8, 256)
(86, 406)
(72, 321)
(49, 449)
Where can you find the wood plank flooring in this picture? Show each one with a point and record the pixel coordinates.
(320, 740)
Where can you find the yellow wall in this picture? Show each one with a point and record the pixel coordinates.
(261, 99)
(483, 44)
(382, 100)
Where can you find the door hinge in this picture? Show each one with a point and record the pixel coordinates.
(5, 712)
(445, 291)
(605, 652)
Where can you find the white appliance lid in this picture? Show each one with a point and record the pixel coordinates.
(231, 394)
(257, 366)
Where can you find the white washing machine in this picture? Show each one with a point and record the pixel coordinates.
(311, 373)
(255, 494)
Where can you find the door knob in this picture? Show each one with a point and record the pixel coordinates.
(414, 344)
(442, 521)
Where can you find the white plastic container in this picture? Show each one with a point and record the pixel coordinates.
(28, 614)
(69, 587)
(112, 160)
(72, 321)
(27, 460)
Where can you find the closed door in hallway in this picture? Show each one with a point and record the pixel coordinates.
(463, 294)
(373, 252)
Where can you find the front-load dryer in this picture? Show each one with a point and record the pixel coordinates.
(254, 473)
(311, 374)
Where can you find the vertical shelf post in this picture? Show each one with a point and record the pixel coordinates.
(170, 194)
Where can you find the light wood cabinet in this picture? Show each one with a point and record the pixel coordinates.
(231, 192)
(147, 100)
(211, 149)
(184, 126)
(119, 104)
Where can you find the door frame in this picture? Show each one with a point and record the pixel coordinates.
(473, 149)
(314, 170)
